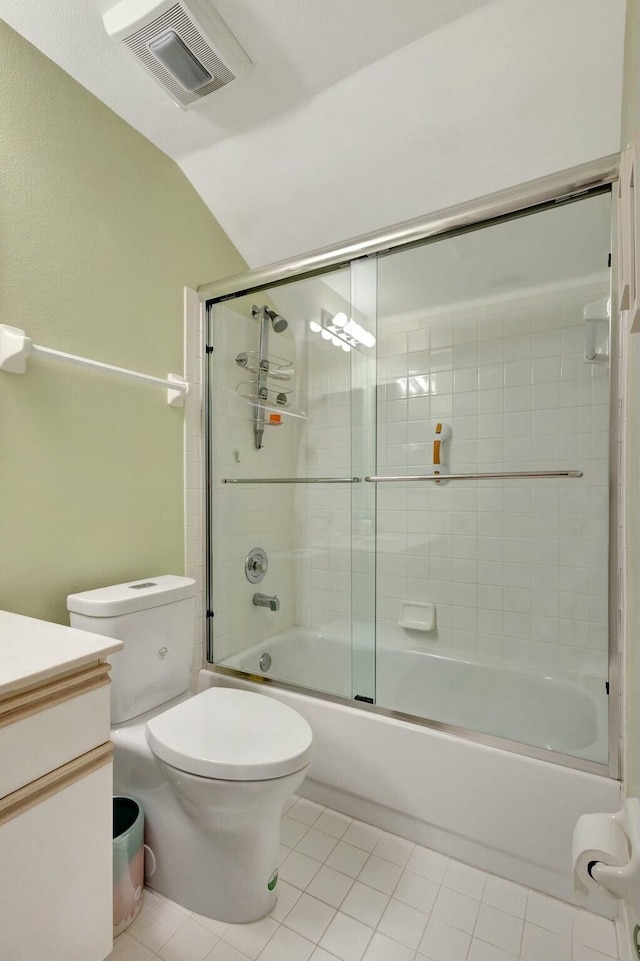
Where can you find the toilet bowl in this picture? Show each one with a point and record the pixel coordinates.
(211, 770)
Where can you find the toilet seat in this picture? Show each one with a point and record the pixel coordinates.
(231, 735)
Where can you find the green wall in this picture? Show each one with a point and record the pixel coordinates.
(631, 125)
(100, 232)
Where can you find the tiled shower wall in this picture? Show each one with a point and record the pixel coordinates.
(323, 512)
(247, 516)
(517, 569)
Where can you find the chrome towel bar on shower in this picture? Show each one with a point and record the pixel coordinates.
(492, 476)
(291, 480)
(401, 477)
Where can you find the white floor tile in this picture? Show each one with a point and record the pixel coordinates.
(538, 944)
(595, 932)
(149, 898)
(420, 893)
(191, 942)
(394, 849)
(225, 952)
(287, 897)
(346, 938)
(499, 928)
(441, 942)
(306, 811)
(347, 859)
(321, 955)
(286, 945)
(309, 917)
(330, 886)
(428, 864)
(156, 926)
(548, 913)
(456, 909)
(128, 949)
(474, 916)
(174, 904)
(362, 835)
(330, 822)
(506, 896)
(481, 951)
(465, 880)
(218, 927)
(251, 938)
(582, 953)
(283, 852)
(289, 803)
(316, 845)
(364, 904)
(403, 924)
(381, 875)
(292, 831)
(382, 948)
(297, 869)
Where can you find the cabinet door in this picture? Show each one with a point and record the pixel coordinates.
(46, 739)
(56, 869)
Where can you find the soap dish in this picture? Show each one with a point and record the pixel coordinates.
(415, 616)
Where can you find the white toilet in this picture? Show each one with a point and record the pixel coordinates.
(212, 770)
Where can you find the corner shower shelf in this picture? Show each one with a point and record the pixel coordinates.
(275, 367)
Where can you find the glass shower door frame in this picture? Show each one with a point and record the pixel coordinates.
(593, 177)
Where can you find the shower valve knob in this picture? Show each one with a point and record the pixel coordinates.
(256, 565)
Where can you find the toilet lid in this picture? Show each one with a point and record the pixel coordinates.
(231, 735)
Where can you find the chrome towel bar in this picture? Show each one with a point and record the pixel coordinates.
(492, 476)
(379, 479)
(291, 480)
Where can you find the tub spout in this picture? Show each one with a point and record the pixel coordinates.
(264, 600)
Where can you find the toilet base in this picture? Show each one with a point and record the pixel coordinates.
(216, 843)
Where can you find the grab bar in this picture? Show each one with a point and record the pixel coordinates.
(291, 480)
(497, 476)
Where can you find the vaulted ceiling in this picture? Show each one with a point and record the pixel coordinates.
(358, 114)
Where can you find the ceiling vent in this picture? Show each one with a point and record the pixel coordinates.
(186, 48)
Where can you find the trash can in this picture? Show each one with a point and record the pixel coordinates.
(128, 861)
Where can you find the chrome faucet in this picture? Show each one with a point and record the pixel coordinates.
(264, 600)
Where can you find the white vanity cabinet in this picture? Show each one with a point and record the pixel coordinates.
(55, 792)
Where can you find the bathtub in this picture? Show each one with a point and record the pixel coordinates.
(545, 711)
(496, 809)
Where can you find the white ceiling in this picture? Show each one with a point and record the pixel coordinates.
(297, 47)
(360, 113)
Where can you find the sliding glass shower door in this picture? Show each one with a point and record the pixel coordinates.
(409, 480)
(292, 433)
(492, 590)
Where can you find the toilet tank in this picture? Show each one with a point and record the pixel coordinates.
(155, 618)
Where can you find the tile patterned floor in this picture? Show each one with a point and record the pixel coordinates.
(350, 892)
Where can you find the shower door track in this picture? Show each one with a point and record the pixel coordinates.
(574, 183)
(566, 185)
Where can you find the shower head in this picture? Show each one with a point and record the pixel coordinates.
(278, 323)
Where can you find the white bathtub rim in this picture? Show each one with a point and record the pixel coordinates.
(239, 665)
(450, 731)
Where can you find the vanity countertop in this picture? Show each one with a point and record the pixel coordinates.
(32, 650)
